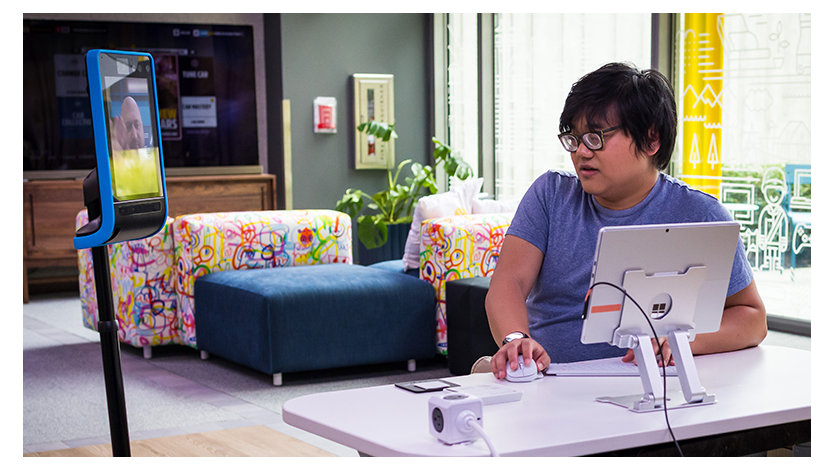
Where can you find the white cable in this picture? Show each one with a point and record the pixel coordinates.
(470, 421)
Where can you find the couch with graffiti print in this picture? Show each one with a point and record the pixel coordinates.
(152, 279)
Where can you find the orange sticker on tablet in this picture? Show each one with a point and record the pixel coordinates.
(606, 308)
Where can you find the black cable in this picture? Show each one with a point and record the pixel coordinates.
(662, 362)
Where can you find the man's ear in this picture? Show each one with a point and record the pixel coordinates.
(654, 143)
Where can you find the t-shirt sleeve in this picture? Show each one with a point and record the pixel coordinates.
(531, 219)
(742, 274)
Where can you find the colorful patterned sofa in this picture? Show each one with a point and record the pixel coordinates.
(153, 279)
(142, 282)
(459, 247)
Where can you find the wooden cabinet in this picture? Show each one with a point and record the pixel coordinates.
(50, 207)
(191, 195)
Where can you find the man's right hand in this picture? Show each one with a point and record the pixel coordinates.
(526, 347)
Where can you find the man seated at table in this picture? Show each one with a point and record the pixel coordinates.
(619, 125)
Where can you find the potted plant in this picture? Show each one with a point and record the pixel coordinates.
(394, 205)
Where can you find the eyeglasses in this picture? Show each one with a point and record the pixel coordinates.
(594, 140)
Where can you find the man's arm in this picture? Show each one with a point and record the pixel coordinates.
(515, 273)
(743, 325)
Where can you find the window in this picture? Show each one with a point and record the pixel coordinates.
(537, 59)
(745, 104)
(463, 87)
(744, 94)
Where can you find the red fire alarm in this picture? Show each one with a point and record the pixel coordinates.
(324, 115)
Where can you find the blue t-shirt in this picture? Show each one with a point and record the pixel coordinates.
(562, 220)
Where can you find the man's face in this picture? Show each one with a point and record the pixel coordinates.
(133, 123)
(616, 175)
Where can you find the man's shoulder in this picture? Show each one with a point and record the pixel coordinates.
(680, 189)
(694, 204)
(557, 181)
(562, 176)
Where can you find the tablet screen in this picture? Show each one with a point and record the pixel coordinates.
(129, 103)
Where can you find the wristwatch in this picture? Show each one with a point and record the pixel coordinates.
(513, 336)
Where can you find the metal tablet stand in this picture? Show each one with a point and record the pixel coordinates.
(674, 320)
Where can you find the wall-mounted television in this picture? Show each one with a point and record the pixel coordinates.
(205, 83)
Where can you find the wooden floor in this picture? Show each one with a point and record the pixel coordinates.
(253, 441)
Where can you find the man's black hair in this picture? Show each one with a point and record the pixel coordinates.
(641, 101)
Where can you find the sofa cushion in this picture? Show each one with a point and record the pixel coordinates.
(489, 206)
(428, 207)
(395, 265)
(459, 247)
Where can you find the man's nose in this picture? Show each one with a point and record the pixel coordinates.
(583, 151)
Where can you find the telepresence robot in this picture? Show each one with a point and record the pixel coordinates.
(125, 194)
(678, 274)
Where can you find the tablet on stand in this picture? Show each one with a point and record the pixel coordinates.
(678, 274)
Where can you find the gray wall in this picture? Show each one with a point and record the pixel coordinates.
(318, 53)
(301, 56)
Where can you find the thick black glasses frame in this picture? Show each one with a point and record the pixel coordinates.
(572, 144)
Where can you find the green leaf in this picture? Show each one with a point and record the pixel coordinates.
(403, 220)
(351, 202)
(441, 150)
(379, 129)
(392, 181)
(451, 164)
(372, 231)
(395, 203)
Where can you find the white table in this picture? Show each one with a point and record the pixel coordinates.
(558, 416)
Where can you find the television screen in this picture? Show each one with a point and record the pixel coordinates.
(205, 85)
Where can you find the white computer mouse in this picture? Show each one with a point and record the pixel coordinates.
(524, 373)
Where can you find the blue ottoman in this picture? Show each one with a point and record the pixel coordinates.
(396, 266)
(305, 318)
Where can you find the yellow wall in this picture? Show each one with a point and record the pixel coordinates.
(703, 59)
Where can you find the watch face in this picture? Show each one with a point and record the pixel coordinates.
(514, 336)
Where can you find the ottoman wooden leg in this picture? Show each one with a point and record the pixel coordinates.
(277, 379)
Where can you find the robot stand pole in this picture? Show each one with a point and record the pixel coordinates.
(108, 332)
